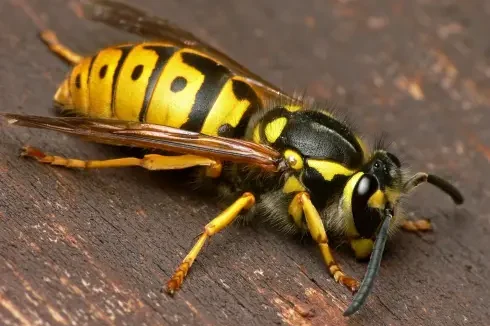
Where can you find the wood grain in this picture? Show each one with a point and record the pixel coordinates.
(94, 247)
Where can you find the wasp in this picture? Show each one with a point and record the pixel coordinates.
(275, 156)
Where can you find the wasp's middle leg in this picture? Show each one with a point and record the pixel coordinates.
(246, 201)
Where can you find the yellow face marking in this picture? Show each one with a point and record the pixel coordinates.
(350, 230)
(173, 108)
(328, 169)
(101, 78)
(227, 109)
(377, 200)
(274, 129)
(78, 86)
(292, 184)
(294, 159)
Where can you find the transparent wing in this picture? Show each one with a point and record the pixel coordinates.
(133, 20)
(144, 135)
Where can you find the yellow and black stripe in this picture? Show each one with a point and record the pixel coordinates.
(163, 84)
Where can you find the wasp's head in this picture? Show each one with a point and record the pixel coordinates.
(368, 192)
(380, 184)
(370, 199)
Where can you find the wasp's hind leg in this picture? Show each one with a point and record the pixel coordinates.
(246, 201)
(420, 225)
(49, 37)
(149, 162)
(302, 204)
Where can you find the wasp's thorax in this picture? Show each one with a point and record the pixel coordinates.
(321, 152)
(314, 134)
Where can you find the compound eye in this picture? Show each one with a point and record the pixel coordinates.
(366, 221)
(366, 186)
(294, 160)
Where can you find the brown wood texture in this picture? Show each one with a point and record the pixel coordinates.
(94, 247)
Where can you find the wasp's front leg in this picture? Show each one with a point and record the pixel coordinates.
(302, 204)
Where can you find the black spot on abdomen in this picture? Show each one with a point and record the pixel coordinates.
(78, 81)
(103, 71)
(137, 71)
(178, 84)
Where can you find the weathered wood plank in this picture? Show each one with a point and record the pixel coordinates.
(94, 247)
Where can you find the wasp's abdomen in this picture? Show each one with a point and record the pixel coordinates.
(162, 84)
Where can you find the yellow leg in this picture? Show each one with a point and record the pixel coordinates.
(49, 37)
(149, 162)
(417, 225)
(246, 201)
(317, 231)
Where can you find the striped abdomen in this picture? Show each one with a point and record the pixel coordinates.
(162, 84)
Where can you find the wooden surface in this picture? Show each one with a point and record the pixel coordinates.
(94, 248)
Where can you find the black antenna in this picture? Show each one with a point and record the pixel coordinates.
(440, 183)
(373, 266)
(446, 187)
